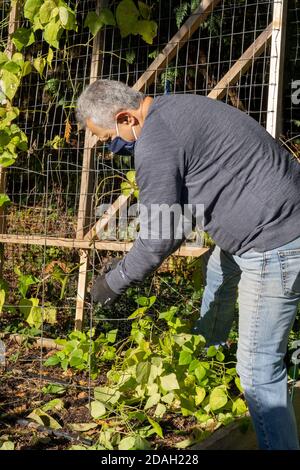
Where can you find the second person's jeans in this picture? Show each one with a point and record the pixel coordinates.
(268, 288)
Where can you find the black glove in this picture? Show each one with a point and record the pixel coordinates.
(102, 293)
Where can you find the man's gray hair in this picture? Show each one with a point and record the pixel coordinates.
(103, 99)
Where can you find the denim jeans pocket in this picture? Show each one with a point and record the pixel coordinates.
(290, 271)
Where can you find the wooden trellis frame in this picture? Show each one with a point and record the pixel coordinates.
(86, 235)
(10, 49)
(274, 116)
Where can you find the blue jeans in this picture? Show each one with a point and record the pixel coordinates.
(268, 289)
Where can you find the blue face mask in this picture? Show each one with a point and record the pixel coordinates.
(120, 146)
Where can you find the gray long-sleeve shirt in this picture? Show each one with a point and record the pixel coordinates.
(196, 150)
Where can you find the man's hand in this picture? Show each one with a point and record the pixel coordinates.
(102, 293)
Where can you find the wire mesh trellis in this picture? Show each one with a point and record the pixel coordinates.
(44, 184)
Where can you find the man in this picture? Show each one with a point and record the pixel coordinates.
(192, 149)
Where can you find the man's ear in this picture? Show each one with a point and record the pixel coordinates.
(125, 117)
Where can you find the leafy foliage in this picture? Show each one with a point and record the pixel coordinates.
(160, 368)
(81, 352)
(130, 186)
(51, 16)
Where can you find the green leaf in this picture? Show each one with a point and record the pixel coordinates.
(7, 445)
(184, 358)
(4, 199)
(2, 299)
(169, 382)
(31, 8)
(26, 68)
(187, 405)
(111, 336)
(181, 12)
(12, 67)
(237, 382)
(156, 427)
(65, 363)
(63, 15)
(39, 64)
(52, 361)
(97, 409)
(160, 410)
(107, 17)
(106, 394)
(212, 351)
(130, 175)
(168, 398)
(127, 443)
(239, 407)
(130, 57)
(50, 315)
(56, 404)
(169, 314)
(46, 10)
(67, 16)
(3, 58)
(126, 188)
(142, 372)
(10, 83)
(145, 10)
(127, 17)
(147, 29)
(52, 33)
(93, 22)
(40, 417)
(185, 443)
(53, 389)
(31, 311)
(76, 358)
(217, 398)
(152, 401)
(138, 312)
(23, 37)
(7, 159)
(82, 427)
(49, 58)
(26, 280)
(200, 395)
(35, 317)
(220, 356)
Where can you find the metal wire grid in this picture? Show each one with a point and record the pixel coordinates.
(46, 182)
(4, 14)
(44, 185)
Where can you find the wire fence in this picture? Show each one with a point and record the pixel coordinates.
(44, 183)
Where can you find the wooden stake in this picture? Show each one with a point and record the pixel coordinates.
(86, 245)
(85, 201)
(274, 116)
(104, 220)
(178, 40)
(9, 51)
(242, 64)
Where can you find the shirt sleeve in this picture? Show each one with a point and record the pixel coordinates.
(159, 163)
